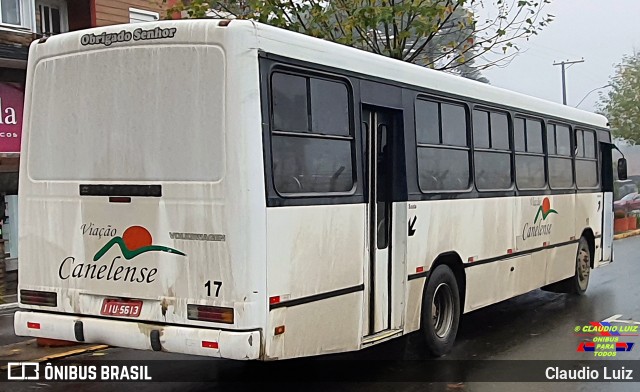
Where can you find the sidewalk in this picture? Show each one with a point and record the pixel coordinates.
(626, 234)
(9, 300)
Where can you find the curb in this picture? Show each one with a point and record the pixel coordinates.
(9, 306)
(70, 353)
(627, 234)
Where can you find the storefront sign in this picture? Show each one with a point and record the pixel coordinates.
(11, 102)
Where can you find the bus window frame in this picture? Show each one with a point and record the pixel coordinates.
(543, 154)
(469, 149)
(556, 156)
(351, 137)
(492, 109)
(595, 159)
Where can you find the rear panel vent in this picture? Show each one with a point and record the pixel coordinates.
(121, 190)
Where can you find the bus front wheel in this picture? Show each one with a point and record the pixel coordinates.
(580, 281)
(440, 311)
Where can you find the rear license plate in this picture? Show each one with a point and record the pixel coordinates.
(123, 308)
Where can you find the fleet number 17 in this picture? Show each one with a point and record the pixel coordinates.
(217, 285)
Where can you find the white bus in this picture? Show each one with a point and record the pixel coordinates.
(233, 190)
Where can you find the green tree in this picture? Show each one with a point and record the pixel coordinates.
(454, 31)
(622, 103)
(440, 34)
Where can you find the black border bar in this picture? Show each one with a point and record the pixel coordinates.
(121, 190)
(317, 297)
(311, 374)
(424, 274)
(419, 275)
(516, 254)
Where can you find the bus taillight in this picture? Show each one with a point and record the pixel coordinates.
(210, 313)
(41, 298)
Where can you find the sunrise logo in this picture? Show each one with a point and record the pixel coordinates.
(134, 241)
(544, 210)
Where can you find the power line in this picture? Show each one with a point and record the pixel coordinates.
(564, 83)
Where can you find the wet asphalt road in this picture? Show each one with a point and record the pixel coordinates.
(538, 325)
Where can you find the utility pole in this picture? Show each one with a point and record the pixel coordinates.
(564, 79)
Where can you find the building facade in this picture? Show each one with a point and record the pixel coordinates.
(21, 22)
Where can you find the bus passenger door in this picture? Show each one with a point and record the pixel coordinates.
(377, 126)
(606, 181)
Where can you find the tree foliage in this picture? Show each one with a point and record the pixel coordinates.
(454, 31)
(440, 34)
(622, 103)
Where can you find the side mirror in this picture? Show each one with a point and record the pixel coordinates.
(622, 169)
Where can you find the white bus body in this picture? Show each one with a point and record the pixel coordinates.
(150, 217)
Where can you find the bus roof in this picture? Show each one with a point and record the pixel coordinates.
(306, 48)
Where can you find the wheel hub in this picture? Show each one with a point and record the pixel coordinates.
(442, 310)
(584, 268)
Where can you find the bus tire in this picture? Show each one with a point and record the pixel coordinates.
(580, 281)
(440, 311)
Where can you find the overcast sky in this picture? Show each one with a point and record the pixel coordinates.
(600, 31)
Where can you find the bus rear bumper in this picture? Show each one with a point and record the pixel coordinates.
(131, 334)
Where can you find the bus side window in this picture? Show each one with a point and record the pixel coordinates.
(492, 156)
(311, 139)
(586, 159)
(530, 172)
(559, 156)
(442, 146)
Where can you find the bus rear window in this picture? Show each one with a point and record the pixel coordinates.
(150, 113)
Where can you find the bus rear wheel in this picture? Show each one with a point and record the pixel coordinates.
(440, 311)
